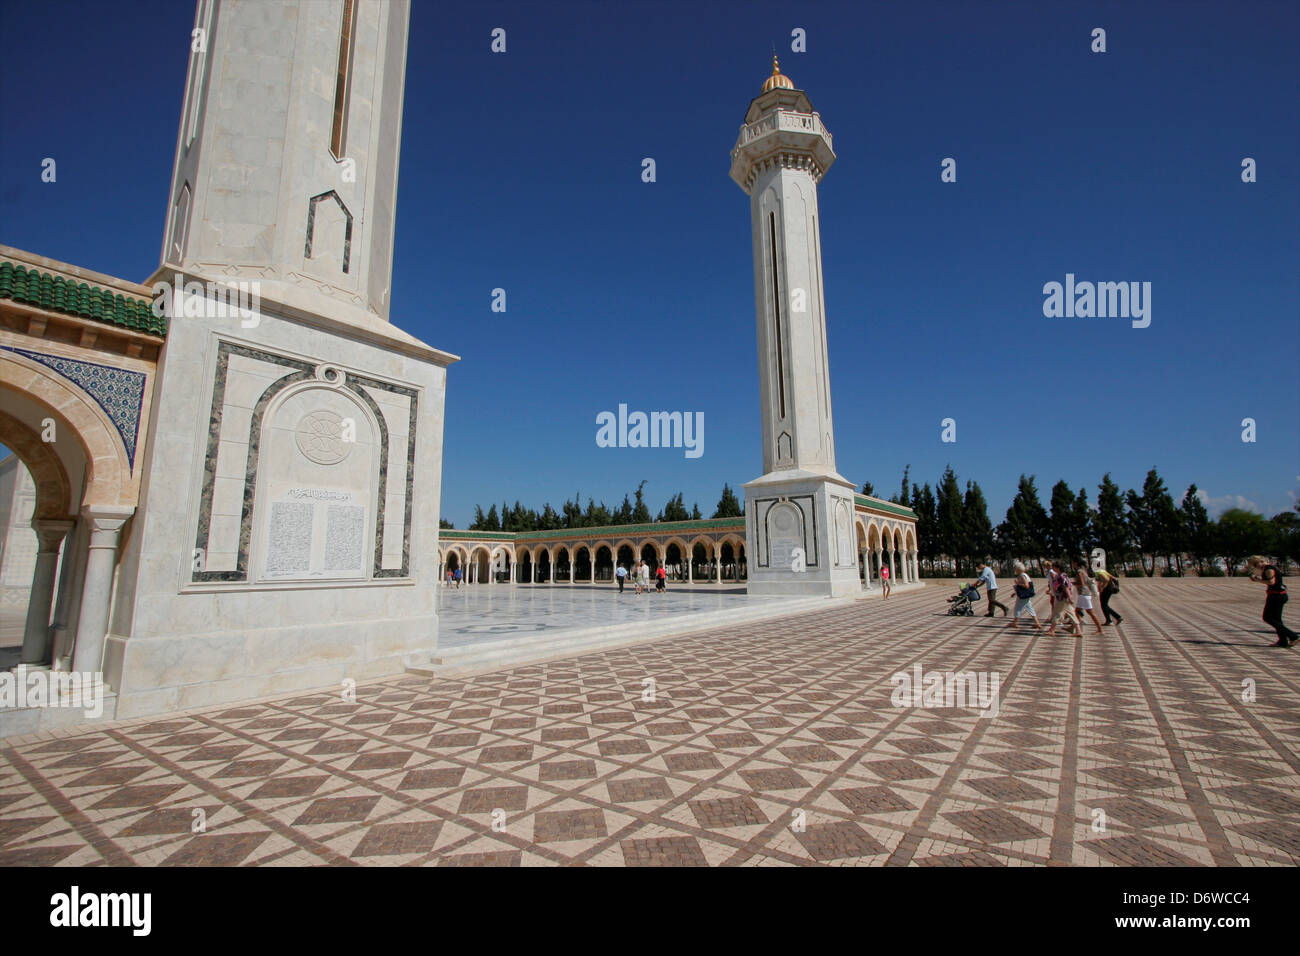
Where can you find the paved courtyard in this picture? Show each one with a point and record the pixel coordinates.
(774, 743)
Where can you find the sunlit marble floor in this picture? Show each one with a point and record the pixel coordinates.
(481, 612)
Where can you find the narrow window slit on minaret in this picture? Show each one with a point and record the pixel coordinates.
(343, 79)
(776, 303)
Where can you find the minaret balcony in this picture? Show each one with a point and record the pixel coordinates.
(778, 136)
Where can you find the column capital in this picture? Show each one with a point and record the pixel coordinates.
(105, 522)
(50, 532)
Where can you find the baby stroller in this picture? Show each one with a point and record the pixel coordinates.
(962, 604)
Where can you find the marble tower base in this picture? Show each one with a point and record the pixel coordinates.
(800, 535)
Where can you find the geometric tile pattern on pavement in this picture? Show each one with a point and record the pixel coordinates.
(766, 744)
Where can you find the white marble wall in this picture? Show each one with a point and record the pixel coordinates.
(174, 643)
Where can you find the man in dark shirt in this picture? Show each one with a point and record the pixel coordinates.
(1275, 598)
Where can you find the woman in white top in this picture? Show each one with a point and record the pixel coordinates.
(1086, 588)
(1024, 598)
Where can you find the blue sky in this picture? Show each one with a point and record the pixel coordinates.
(522, 171)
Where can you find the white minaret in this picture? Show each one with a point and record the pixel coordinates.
(799, 514)
(287, 155)
(287, 530)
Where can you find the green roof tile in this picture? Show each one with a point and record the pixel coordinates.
(886, 506)
(657, 527)
(58, 294)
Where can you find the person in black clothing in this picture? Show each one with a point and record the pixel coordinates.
(1274, 598)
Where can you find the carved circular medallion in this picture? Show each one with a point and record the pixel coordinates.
(783, 521)
(320, 437)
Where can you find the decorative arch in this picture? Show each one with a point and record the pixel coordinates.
(480, 561)
(584, 567)
(774, 513)
(109, 479)
(53, 487)
(677, 540)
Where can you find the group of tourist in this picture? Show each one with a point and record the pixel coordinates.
(1070, 594)
(640, 575)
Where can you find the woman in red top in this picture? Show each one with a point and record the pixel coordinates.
(660, 577)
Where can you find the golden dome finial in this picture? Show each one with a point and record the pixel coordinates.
(777, 79)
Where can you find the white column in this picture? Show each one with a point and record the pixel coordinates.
(67, 605)
(717, 563)
(105, 525)
(893, 575)
(532, 567)
(916, 566)
(36, 633)
(690, 566)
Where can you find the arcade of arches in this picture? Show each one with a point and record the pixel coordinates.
(709, 551)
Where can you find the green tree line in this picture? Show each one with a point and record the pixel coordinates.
(1135, 528)
(572, 514)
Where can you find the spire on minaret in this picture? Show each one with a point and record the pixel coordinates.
(777, 79)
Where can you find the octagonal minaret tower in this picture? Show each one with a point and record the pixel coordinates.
(799, 514)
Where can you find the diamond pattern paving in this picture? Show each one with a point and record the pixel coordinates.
(769, 743)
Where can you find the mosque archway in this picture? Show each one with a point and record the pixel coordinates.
(479, 565)
(603, 569)
(626, 556)
(72, 459)
(650, 555)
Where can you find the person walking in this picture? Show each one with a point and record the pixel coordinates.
(1109, 585)
(621, 573)
(884, 579)
(1058, 586)
(661, 578)
(991, 587)
(645, 577)
(1085, 589)
(1275, 597)
(458, 579)
(1024, 598)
